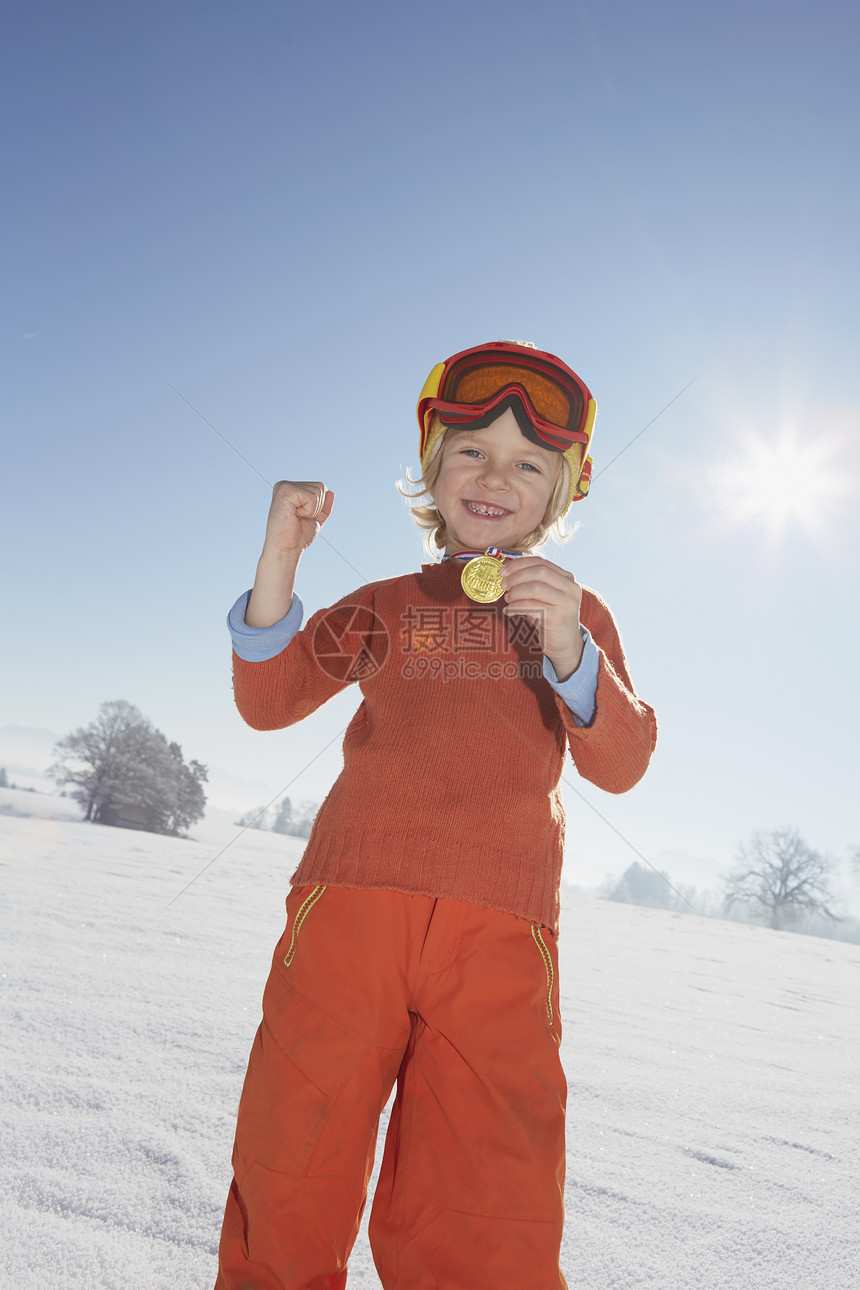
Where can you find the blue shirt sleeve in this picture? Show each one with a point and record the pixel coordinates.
(258, 644)
(579, 691)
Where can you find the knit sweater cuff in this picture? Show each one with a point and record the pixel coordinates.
(259, 644)
(612, 752)
(579, 691)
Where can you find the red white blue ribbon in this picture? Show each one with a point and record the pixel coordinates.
(494, 551)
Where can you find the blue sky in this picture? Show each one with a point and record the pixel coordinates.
(290, 213)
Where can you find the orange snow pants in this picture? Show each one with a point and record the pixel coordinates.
(459, 1005)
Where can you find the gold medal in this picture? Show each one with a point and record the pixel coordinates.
(482, 577)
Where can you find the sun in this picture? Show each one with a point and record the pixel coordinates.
(780, 483)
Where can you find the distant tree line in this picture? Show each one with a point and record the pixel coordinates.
(297, 821)
(128, 773)
(641, 886)
(778, 879)
(6, 783)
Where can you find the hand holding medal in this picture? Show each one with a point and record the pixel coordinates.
(550, 597)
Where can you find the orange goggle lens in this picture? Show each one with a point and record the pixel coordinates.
(548, 399)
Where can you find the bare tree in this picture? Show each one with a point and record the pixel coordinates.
(126, 772)
(97, 758)
(779, 877)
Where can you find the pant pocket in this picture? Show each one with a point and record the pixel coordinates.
(309, 901)
(549, 969)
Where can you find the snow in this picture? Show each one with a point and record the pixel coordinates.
(713, 1108)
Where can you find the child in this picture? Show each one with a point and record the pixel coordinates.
(420, 940)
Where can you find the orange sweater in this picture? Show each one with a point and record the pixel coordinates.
(452, 763)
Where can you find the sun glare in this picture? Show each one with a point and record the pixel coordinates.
(780, 484)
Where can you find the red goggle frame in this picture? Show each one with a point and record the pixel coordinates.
(473, 384)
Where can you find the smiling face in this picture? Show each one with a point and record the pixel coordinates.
(494, 486)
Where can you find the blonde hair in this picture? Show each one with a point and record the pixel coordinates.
(427, 516)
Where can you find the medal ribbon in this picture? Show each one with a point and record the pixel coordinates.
(494, 551)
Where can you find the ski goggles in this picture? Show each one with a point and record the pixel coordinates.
(553, 407)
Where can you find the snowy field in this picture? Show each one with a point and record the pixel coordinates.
(713, 1069)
